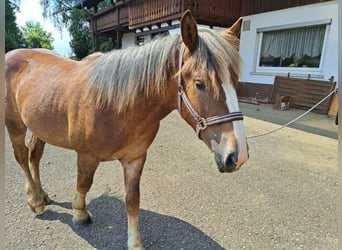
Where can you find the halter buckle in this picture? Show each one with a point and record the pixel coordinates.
(202, 123)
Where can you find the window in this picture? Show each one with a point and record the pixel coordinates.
(291, 48)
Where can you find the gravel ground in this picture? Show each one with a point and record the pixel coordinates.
(283, 198)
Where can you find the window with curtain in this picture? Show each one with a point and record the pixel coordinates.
(295, 47)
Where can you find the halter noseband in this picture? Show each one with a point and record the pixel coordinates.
(202, 123)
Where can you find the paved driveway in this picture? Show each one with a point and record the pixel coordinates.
(283, 198)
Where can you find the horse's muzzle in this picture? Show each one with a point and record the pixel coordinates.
(229, 164)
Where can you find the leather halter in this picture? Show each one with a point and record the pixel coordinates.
(202, 123)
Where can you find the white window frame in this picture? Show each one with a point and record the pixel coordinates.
(298, 71)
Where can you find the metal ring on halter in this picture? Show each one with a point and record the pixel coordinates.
(202, 123)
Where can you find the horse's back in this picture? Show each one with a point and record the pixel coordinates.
(23, 52)
(18, 62)
(19, 55)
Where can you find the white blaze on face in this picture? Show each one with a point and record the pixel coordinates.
(239, 131)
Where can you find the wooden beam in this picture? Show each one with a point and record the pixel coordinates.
(163, 29)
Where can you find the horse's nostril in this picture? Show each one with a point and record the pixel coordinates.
(231, 162)
(227, 165)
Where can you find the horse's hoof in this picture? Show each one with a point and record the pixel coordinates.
(37, 209)
(81, 217)
(140, 247)
(40, 209)
(83, 223)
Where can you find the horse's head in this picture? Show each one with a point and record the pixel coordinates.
(209, 65)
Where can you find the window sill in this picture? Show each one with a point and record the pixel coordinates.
(301, 75)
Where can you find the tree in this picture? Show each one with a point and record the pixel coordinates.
(13, 36)
(65, 14)
(36, 37)
(81, 42)
(60, 10)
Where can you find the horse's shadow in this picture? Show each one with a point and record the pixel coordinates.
(108, 229)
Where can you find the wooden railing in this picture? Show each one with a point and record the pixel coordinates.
(258, 6)
(123, 16)
(135, 14)
(211, 12)
(108, 19)
(147, 12)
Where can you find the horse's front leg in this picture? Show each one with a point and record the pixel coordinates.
(132, 173)
(86, 167)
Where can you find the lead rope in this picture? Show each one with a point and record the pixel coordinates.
(290, 122)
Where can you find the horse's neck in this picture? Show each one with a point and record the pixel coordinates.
(168, 101)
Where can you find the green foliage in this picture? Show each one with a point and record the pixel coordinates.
(104, 4)
(36, 37)
(13, 36)
(105, 44)
(58, 11)
(64, 14)
(81, 42)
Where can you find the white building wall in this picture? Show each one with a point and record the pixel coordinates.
(291, 16)
(128, 40)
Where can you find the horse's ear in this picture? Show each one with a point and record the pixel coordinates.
(232, 33)
(235, 28)
(189, 31)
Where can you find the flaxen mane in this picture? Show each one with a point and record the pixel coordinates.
(216, 56)
(120, 76)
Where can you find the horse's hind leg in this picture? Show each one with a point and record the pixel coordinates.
(36, 149)
(17, 131)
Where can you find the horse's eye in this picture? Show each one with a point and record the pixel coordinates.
(200, 85)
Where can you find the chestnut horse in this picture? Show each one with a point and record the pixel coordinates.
(109, 106)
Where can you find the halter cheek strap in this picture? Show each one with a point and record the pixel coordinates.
(202, 123)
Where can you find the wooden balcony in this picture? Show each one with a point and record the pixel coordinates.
(215, 13)
(112, 18)
(144, 13)
(250, 7)
(129, 15)
(148, 12)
